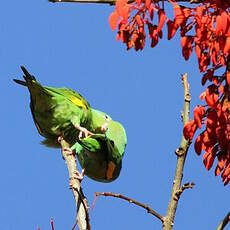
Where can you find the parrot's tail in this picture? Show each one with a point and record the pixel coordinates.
(28, 78)
(20, 82)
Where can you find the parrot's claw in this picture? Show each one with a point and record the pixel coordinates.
(68, 151)
(60, 138)
(80, 175)
(83, 132)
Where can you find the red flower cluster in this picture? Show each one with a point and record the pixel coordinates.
(205, 28)
(212, 46)
(131, 29)
(215, 139)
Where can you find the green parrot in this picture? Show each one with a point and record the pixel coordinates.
(101, 154)
(98, 141)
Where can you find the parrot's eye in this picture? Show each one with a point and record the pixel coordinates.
(106, 117)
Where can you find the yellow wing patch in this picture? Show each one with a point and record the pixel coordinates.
(78, 102)
(110, 170)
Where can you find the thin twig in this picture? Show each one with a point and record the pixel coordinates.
(113, 2)
(181, 153)
(224, 222)
(130, 200)
(184, 187)
(75, 184)
(52, 223)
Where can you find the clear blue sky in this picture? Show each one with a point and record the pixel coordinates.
(72, 45)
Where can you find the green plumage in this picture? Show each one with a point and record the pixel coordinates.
(101, 154)
(56, 111)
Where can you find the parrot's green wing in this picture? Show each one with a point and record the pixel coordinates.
(73, 96)
(91, 143)
(56, 110)
(101, 154)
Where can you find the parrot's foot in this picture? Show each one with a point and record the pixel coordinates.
(80, 175)
(83, 132)
(60, 138)
(66, 150)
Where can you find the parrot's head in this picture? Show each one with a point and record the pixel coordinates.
(99, 121)
(116, 137)
(114, 131)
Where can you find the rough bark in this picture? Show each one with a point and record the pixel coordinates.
(82, 217)
(181, 153)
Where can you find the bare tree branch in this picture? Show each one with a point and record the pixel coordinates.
(82, 217)
(181, 153)
(130, 200)
(85, 204)
(224, 222)
(112, 2)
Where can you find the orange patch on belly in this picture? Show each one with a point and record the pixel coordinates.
(110, 170)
